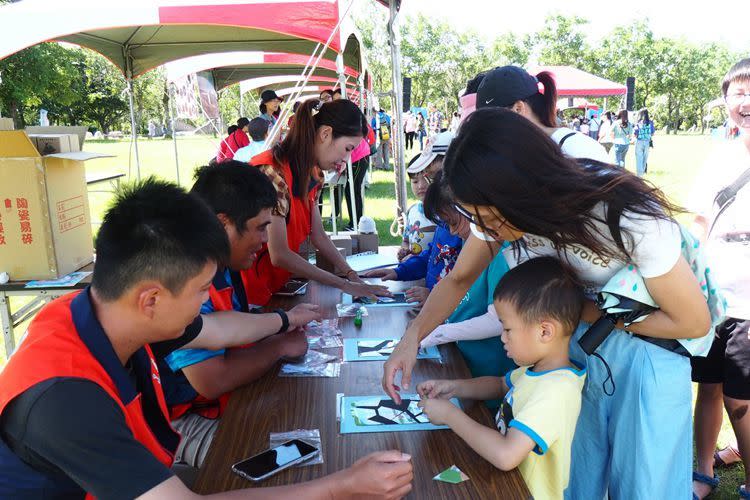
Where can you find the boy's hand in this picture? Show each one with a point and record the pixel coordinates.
(417, 295)
(383, 274)
(403, 252)
(302, 314)
(437, 389)
(437, 410)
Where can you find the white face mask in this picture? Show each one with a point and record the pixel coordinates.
(479, 234)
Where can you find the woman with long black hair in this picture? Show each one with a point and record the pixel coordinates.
(322, 138)
(514, 184)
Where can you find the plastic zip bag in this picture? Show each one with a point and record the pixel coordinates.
(324, 328)
(318, 342)
(330, 370)
(310, 436)
(350, 310)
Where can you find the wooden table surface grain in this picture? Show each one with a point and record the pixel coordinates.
(280, 404)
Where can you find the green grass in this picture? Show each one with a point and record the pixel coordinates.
(673, 165)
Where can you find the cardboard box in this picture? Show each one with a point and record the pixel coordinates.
(367, 242)
(6, 124)
(361, 242)
(78, 130)
(45, 226)
(48, 144)
(342, 241)
(326, 264)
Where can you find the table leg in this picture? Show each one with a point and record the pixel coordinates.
(7, 320)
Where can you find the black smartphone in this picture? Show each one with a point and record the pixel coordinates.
(269, 462)
(399, 298)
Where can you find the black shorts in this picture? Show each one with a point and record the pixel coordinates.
(728, 361)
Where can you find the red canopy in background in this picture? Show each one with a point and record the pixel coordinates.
(575, 82)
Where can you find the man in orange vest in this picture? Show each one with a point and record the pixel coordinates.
(82, 410)
(197, 382)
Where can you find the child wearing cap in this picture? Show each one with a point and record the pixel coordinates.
(540, 304)
(418, 229)
(439, 256)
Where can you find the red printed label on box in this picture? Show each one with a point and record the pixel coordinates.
(22, 204)
(71, 213)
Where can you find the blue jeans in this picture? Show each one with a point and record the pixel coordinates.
(641, 156)
(620, 151)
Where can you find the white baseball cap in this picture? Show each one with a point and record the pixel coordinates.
(437, 147)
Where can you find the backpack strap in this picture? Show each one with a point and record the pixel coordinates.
(565, 138)
(726, 196)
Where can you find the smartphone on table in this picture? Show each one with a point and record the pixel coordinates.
(293, 287)
(398, 298)
(269, 462)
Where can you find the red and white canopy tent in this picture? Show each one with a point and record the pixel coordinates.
(139, 35)
(573, 82)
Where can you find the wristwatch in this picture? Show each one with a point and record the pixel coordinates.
(284, 320)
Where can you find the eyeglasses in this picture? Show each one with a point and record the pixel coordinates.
(736, 99)
(492, 233)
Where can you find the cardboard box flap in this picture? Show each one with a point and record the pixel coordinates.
(78, 155)
(78, 130)
(15, 144)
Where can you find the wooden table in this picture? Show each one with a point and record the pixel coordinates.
(276, 404)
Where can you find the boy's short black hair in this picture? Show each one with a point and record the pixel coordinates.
(236, 190)
(739, 72)
(154, 230)
(258, 129)
(438, 201)
(543, 288)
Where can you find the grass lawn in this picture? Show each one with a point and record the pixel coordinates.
(673, 164)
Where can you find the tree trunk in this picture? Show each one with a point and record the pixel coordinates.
(16, 112)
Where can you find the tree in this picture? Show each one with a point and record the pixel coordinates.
(562, 41)
(509, 48)
(38, 74)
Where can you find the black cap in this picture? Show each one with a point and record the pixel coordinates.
(505, 85)
(269, 95)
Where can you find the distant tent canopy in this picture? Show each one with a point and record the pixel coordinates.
(572, 81)
(232, 67)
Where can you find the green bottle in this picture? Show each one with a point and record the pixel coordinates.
(358, 318)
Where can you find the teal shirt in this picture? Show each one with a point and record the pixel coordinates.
(484, 357)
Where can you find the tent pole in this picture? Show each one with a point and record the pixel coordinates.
(174, 132)
(397, 99)
(133, 130)
(349, 169)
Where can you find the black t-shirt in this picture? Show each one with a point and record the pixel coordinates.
(70, 427)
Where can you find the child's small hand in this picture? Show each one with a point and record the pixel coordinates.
(437, 389)
(403, 252)
(417, 295)
(437, 410)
